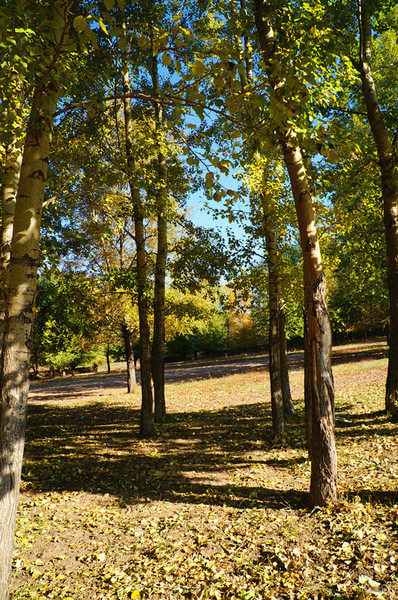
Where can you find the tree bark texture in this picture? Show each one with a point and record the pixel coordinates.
(388, 171)
(129, 355)
(10, 180)
(158, 341)
(278, 416)
(286, 393)
(147, 421)
(323, 450)
(21, 285)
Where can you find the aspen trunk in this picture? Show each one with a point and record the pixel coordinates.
(388, 171)
(318, 356)
(147, 422)
(18, 326)
(158, 341)
(10, 180)
(319, 340)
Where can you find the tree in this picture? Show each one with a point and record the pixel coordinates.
(22, 277)
(317, 323)
(387, 163)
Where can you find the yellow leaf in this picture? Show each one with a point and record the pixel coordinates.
(103, 27)
(136, 595)
(198, 68)
(166, 59)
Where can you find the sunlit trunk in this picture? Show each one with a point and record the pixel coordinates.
(23, 260)
(317, 330)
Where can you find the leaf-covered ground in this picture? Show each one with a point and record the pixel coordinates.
(211, 508)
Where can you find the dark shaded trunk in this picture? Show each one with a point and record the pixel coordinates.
(158, 341)
(147, 421)
(108, 359)
(388, 171)
(278, 418)
(129, 356)
(286, 393)
(323, 450)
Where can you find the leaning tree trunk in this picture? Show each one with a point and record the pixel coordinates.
(158, 341)
(278, 417)
(20, 300)
(129, 355)
(388, 170)
(147, 422)
(323, 450)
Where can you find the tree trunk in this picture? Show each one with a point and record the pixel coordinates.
(130, 362)
(323, 451)
(108, 359)
(321, 387)
(286, 393)
(21, 290)
(387, 163)
(278, 419)
(10, 180)
(147, 422)
(158, 341)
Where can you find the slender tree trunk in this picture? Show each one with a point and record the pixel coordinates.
(21, 290)
(129, 355)
(108, 359)
(158, 341)
(286, 393)
(323, 450)
(278, 419)
(388, 170)
(147, 422)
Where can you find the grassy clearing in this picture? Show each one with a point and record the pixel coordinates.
(212, 507)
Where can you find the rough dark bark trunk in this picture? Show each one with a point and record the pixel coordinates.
(286, 393)
(147, 421)
(129, 355)
(323, 450)
(158, 340)
(278, 417)
(388, 170)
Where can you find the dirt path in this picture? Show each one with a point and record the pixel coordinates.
(104, 383)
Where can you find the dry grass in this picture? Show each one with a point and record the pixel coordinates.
(212, 507)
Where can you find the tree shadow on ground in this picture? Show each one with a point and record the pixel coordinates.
(195, 458)
(95, 448)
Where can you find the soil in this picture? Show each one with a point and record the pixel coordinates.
(212, 506)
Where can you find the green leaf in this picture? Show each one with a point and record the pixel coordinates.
(109, 4)
(80, 23)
